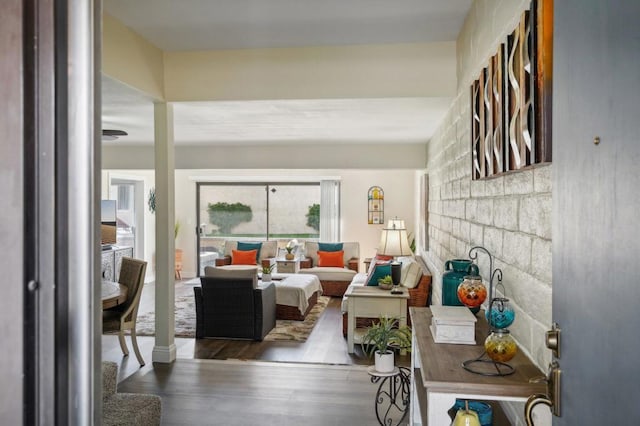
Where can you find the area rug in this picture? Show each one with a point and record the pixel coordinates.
(185, 319)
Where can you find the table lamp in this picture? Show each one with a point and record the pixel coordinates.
(394, 242)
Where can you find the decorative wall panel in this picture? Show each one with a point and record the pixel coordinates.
(508, 98)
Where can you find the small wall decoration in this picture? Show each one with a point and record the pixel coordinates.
(375, 201)
(511, 99)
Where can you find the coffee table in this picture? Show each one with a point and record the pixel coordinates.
(372, 302)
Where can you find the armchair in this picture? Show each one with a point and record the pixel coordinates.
(230, 304)
(334, 280)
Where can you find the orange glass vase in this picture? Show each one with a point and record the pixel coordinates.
(472, 292)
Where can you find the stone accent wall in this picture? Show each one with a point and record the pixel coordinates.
(510, 215)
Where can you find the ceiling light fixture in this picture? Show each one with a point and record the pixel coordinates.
(112, 135)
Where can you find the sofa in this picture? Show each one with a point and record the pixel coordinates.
(267, 255)
(334, 279)
(414, 274)
(230, 304)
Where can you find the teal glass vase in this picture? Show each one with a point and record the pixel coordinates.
(455, 271)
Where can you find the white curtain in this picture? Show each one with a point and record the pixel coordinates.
(329, 210)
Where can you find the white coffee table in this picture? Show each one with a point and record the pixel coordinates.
(371, 302)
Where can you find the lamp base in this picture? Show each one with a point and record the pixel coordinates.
(396, 272)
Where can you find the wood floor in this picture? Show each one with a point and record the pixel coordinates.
(230, 393)
(237, 382)
(326, 344)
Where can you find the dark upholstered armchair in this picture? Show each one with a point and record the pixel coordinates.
(232, 305)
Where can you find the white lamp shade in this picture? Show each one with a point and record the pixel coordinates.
(394, 242)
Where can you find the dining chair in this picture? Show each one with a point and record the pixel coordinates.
(123, 317)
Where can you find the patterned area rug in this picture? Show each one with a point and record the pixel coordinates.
(185, 317)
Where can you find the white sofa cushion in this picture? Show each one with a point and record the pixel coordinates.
(329, 273)
(268, 249)
(351, 250)
(360, 279)
(413, 275)
(406, 261)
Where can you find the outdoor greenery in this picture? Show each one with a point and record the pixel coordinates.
(386, 333)
(313, 216)
(227, 216)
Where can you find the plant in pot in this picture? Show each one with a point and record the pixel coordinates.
(386, 282)
(382, 338)
(290, 247)
(266, 272)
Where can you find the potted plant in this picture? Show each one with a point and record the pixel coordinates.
(290, 247)
(178, 252)
(380, 340)
(266, 272)
(386, 282)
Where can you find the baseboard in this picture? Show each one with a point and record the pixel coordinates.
(164, 354)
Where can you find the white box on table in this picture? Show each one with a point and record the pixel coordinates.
(453, 324)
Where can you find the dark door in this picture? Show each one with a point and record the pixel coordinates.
(48, 235)
(596, 197)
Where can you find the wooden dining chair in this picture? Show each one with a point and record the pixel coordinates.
(123, 317)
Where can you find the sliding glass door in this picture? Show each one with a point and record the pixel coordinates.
(294, 211)
(255, 211)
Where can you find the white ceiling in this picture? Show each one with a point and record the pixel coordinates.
(237, 24)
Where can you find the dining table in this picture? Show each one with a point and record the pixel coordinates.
(113, 294)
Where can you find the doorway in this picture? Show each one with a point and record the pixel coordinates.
(129, 193)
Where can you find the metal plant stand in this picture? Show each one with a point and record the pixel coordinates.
(392, 397)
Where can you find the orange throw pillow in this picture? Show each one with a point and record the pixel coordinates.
(243, 257)
(331, 258)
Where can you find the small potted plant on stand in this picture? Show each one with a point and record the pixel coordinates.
(266, 272)
(382, 338)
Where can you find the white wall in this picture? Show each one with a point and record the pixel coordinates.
(267, 156)
(355, 71)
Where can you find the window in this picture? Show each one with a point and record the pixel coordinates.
(258, 211)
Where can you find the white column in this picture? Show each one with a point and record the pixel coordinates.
(165, 349)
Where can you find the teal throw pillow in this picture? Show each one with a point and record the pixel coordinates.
(242, 246)
(330, 246)
(380, 271)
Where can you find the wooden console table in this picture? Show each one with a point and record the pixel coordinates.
(438, 377)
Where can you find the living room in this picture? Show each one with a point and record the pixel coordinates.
(428, 76)
(512, 214)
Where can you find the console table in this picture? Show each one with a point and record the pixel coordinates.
(438, 377)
